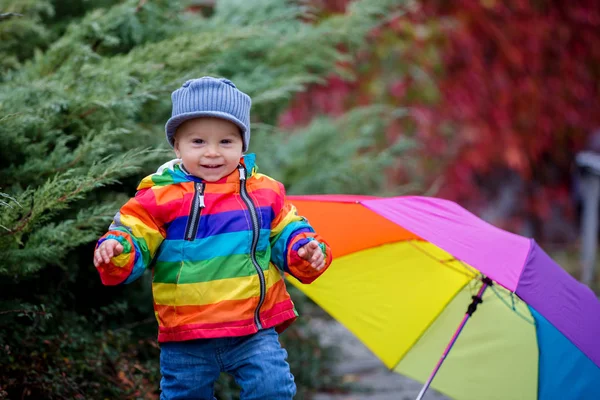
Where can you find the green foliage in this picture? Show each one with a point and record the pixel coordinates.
(314, 159)
(84, 95)
(21, 23)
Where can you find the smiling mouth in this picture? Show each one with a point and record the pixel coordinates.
(211, 166)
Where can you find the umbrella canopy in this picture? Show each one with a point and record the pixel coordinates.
(404, 272)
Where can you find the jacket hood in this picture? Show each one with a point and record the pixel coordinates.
(171, 173)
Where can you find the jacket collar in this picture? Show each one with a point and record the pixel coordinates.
(172, 172)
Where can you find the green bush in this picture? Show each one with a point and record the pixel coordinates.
(84, 94)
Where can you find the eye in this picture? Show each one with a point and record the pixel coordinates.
(198, 141)
(226, 141)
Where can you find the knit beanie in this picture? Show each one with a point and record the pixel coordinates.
(210, 97)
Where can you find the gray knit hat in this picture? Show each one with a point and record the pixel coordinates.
(210, 97)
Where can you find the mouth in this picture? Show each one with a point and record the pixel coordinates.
(211, 166)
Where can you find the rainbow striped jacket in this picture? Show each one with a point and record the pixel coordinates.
(218, 251)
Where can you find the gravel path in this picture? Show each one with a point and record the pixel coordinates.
(365, 370)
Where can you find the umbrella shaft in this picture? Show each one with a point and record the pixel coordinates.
(453, 340)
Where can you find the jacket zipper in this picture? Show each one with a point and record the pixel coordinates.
(255, 232)
(193, 221)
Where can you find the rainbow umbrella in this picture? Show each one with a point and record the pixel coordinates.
(410, 271)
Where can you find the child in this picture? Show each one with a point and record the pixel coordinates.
(219, 237)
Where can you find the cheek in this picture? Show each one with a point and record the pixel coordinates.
(235, 156)
(190, 153)
(236, 151)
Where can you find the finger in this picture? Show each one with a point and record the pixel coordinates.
(104, 254)
(118, 249)
(308, 254)
(318, 261)
(319, 266)
(96, 259)
(321, 257)
(302, 252)
(314, 244)
(316, 256)
(314, 260)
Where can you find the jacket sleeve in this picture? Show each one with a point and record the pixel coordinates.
(289, 232)
(139, 232)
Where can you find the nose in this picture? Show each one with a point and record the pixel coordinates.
(212, 151)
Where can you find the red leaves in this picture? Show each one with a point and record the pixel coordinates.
(329, 100)
(524, 78)
(518, 90)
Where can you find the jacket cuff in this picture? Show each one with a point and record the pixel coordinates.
(119, 268)
(300, 268)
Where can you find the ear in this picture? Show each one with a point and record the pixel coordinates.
(176, 148)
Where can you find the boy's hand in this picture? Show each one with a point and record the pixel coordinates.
(312, 252)
(108, 249)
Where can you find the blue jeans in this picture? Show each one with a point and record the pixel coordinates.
(257, 362)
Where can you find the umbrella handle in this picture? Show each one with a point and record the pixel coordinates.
(470, 310)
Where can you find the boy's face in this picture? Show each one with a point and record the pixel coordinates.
(210, 148)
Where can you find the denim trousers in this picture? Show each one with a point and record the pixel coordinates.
(257, 362)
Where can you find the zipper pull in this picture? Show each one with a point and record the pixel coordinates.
(201, 196)
(242, 173)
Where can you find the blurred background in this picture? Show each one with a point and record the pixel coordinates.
(492, 104)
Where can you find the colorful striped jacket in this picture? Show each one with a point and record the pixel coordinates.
(218, 251)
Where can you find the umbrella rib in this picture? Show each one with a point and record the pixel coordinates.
(445, 262)
(467, 266)
(512, 308)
